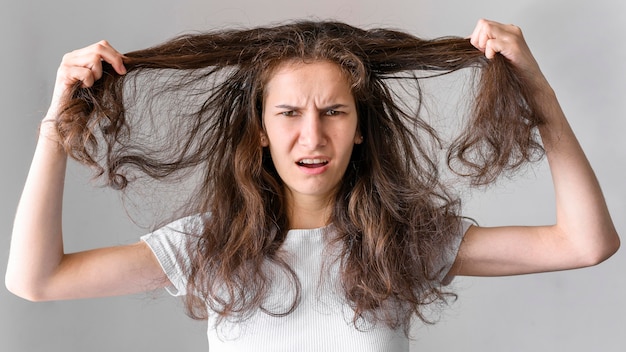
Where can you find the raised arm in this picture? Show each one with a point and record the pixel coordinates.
(38, 267)
(583, 234)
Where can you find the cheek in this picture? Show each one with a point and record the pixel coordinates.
(280, 136)
(275, 139)
(278, 145)
(350, 136)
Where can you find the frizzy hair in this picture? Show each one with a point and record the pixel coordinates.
(393, 215)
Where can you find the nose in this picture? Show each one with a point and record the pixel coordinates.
(312, 134)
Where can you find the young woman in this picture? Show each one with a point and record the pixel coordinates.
(321, 220)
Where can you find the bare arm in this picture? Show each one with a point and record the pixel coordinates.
(583, 234)
(38, 267)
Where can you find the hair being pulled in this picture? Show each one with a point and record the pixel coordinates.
(393, 214)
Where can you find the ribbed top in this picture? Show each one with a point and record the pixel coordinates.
(321, 322)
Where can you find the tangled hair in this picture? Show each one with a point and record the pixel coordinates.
(393, 214)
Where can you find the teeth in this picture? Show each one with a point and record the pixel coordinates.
(312, 161)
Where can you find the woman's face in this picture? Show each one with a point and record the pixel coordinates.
(310, 122)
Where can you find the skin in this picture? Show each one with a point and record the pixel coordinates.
(583, 234)
(299, 124)
(310, 125)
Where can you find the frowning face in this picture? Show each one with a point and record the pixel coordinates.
(310, 122)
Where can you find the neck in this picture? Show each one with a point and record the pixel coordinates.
(307, 212)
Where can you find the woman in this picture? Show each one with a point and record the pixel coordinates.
(321, 221)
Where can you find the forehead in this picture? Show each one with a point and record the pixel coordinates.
(298, 79)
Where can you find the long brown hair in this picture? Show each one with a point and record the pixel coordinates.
(393, 215)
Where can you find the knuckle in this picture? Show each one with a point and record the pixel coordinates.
(489, 25)
(100, 46)
(516, 29)
(66, 57)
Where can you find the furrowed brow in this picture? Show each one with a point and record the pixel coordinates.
(287, 107)
(325, 108)
(334, 107)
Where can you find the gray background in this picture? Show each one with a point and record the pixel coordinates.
(579, 44)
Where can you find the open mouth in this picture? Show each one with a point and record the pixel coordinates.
(312, 163)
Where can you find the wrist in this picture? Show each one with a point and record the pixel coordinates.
(49, 133)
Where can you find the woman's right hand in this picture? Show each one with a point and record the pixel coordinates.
(82, 65)
(38, 268)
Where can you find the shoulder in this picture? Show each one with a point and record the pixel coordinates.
(176, 235)
(188, 225)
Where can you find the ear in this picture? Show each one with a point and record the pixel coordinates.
(264, 140)
(358, 138)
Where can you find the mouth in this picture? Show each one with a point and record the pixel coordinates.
(312, 163)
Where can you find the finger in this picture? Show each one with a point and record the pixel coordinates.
(92, 56)
(85, 65)
(112, 56)
(68, 76)
(84, 75)
(491, 49)
(96, 68)
(493, 37)
(77, 66)
(476, 35)
(480, 35)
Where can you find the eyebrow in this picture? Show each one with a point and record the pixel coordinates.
(330, 107)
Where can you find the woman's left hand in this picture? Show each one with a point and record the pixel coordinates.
(583, 233)
(506, 39)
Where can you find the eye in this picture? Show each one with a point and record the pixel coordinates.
(332, 112)
(289, 113)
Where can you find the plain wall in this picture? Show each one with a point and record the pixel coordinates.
(579, 45)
